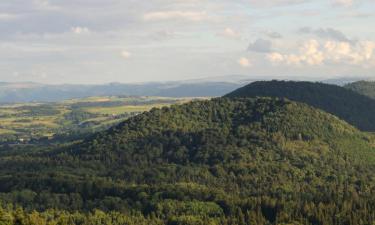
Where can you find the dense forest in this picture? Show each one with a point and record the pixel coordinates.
(223, 161)
(366, 88)
(348, 105)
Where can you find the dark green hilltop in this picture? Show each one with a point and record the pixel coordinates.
(363, 87)
(225, 161)
(353, 107)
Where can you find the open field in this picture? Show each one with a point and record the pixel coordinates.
(123, 109)
(25, 122)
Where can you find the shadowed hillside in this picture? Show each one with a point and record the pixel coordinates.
(363, 87)
(348, 105)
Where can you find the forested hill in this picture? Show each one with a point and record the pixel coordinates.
(363, 87)
(356, 109)
(224, 161)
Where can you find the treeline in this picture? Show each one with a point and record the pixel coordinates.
(18, 216)
(137, 101)
(233, 211)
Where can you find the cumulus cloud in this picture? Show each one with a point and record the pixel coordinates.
(273, 3)
(353, 54)
(44, 5)
(126, 54)
(244, 62)
(314, 53)
(229, 33)
(173, 15)
(80, 30)
(328, 33)
(260, 45)
(179, 37)
(345, 3)
(273, 34)
(8, 16)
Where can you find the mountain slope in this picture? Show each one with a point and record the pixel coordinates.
(348, 105)
(366, 88)
(224, 161)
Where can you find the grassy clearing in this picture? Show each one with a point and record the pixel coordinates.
(6, 131)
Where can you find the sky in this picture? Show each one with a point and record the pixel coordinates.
(101, 41)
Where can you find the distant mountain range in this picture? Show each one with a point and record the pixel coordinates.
(34, 92)
(207, 87)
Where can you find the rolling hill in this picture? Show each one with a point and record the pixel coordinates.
(356, 109)
(223, 161)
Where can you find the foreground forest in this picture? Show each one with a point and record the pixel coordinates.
(223, 161)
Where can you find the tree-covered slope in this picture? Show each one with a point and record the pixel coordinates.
(348, 105)
(366, 88)
(224, 161)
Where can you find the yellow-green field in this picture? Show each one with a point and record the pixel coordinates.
(38, 120)
(5, 131)
(123, 109)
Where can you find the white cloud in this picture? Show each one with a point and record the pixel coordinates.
(172, 15)
(180, 38)
(44, 5)
(7, 16)
(314, 53)
(229, 33)
(275, 57)
(125, 54)
(345, 3)
(352, 54)
(244, 62)
(311, 53)
(16, 74)
(80, 30)
(272, 3)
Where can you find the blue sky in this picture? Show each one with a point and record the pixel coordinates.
(99, 41)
